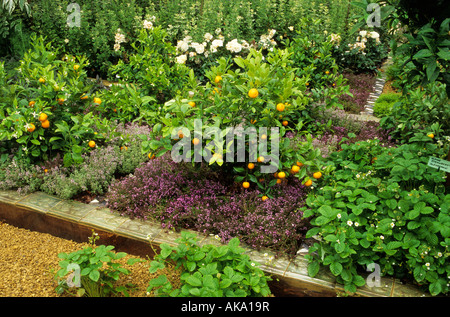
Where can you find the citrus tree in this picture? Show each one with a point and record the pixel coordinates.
(45, 110)
(240, 121)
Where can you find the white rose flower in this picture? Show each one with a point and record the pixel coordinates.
(181, 59)
(148, 25)
(208, 37)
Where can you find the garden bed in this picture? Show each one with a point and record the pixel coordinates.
(21, 216)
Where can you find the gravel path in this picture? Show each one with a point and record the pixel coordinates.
(29, 259)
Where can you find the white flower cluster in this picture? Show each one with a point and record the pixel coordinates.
(267, 41)
(188, 49)
(119, 38)
(362, 40)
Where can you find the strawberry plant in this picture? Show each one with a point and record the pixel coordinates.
(208, 270)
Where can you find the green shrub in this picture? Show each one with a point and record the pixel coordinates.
(153, 68)
(424, 109)
(96, 271)
(208, 270)
(384, 104)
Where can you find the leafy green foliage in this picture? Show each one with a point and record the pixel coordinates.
(208, 270)
(421, 110)
(98, 270)
(384, 104)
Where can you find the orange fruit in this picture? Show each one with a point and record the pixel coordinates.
(46, 171)
(260, 159)
(285, 123)
(75, 67)
(431, 135)
(31, 103)
(251, 166)
(281, 175)
(264, 198)
(308, 183)
(281, 107)
(151, 156)
(317, 175)
(195, 141)
(246, 184)
(295, 169)
(84, 97)
(123, 148)
(218, 79)
(91, 144)
(61, 101)
(31, 127)
(45, 124)
(180, 134)
(97, 100)
(278, 181)
(253, 93)
(300, 164)
(41, 80)
(43, 117)
(191, 103)
(327, 72)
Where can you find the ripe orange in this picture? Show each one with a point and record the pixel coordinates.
(84, 97)
(327, 72)
(253, 121)
(251, 166)
(260, 159)
(300, 164)
(308, 183)
(123, 148)
(295, 169)
(191, 103)
(285, 123)
(45, 124)
(61, 101)
(31, 127)
(281, 175)
(431, 135)
(281, 107)
(195, 141)
(41, 80)
(97, 100)
(31, 103)
(180, 134)
(75, 67)
(91, 144)
(317, 175)
(264, 198)
(246, 184)
(253, 93)
(43, 117)
(218, 79)
(151, 156)
(278, 181)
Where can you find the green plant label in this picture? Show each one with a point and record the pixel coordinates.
(440, 164)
